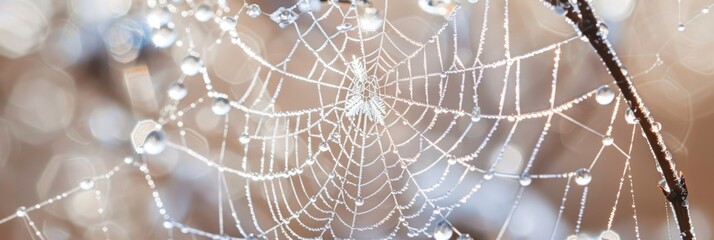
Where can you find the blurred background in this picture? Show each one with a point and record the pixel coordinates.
(76, 76)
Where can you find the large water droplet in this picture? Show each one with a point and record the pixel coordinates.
(476, 114)
(437, 7)
(630, 116)
(559, 8)
(324, 147)
(604, 95)
(191, 65)
(86, 184)
(221, 106)
(158, 17)
(525, 179)
(680, 27)
(583, 177)
(284, 17)
(21, 212)
(574, 237)
(488, 175)
(607, 140)
(168, 224)
(309, 5)
(147, 136)
(164, 37)
(253, 10)
(604, 31)
(442, 230)
(228, 23)
(656, 127)
(624, 71)
(177, 91)
(370, 20)
(344, 27)
(465, 236)
(155, 143)
(359, 201)
(663, 183)
(609, 235)
(204, 13)
(244, 138)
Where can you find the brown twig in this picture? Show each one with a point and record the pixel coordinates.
(675, 189)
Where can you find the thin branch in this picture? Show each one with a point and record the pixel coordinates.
(675, 189)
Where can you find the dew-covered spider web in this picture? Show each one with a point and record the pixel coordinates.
(384, 119)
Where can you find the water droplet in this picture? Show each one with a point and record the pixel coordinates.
(604, 31)
(656, 127)
(86, 184)
(574, 237)
(359, 201)
(465, 236)
(252, 237)
(164, 37)
(128, 160)
(228, 23)
(583, 37)
(442, 230)
(253, 10)
(155, 142)
(370, 20)
(309, 6)
(607, 140)
(624, 71)
(244, 138)
(473, 1)
(21, 212)
(191, 65)
(158, 17)
(488, 175)
(344, 27)
(284, 17)
(630, 116)
(680, 27)
(609, 235)
(525, 179)
(476, 114)
(559, 8)
(705, 10)
(177, 91)
(203, 12)
(583, 177)
(220, 106)
(324, 147)
(604, 95)
(168, 225)
(310, 161)
(440, 7)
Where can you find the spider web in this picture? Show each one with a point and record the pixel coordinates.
(358, 123)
